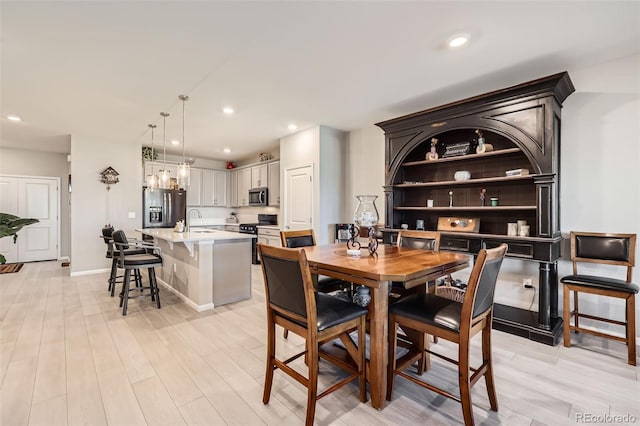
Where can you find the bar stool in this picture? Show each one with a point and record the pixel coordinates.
(107, 236)
(133, 262)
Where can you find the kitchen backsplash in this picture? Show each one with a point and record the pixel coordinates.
(244, 214)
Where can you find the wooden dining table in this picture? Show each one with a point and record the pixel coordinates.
(412, 267)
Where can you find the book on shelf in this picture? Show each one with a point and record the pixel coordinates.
(517, 172)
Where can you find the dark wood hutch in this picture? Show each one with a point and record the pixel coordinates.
(523, 125)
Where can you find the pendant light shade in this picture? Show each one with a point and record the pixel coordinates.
(152, 178)
(165, 176)
(184, 168)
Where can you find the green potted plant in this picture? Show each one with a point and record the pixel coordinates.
(11, 225)
(148, 153)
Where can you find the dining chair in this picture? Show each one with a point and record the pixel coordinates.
(455, 322)
(148, 261)
(306, 238)
(293, 303)
(107, 236)
(606, 249)
(422, 240)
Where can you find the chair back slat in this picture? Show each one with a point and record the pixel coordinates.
(602, 248)
(486, 287)
(284, 281)
(422, 240)
(295, 239)
(120, 240)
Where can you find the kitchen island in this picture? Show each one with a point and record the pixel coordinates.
(204, 267)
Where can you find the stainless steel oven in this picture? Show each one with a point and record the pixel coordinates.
(259, 197)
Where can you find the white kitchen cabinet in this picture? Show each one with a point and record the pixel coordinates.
(259, 176)
(270, 237)
(233, 188)
(274, 183)
(214, 188)
(244, 184)
(194, 191)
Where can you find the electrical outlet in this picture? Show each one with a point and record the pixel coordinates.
(527, 282)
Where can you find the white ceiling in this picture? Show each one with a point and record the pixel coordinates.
(103, 70)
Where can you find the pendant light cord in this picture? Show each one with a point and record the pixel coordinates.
(184, 99)
(164, 140)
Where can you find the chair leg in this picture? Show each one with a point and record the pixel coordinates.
(312, 390)
(566, 316)
(271, 353)
(125, 291)
(153, 283)
(488, 359)
(362, 360)
(393, 336)
(576, 316)
(465, 382)
(113, 275)
(631, 328)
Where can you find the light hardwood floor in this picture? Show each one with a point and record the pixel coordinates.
(69, 357)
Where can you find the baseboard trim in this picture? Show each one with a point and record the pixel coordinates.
(89, 272)
(185, 299)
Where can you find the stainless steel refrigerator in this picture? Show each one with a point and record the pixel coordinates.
(162, 208)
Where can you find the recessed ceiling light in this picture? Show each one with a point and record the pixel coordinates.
(226, 150)
(14, 118)
(228, 110)
(292, 126)
(458, 40)
(175, 142)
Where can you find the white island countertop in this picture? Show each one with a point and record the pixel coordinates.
(195, 235)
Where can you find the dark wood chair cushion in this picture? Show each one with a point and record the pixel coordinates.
(600, 282)
(138, 260)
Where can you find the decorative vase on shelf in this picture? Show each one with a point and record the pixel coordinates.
(366, 216)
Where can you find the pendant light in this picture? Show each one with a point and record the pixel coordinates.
(152, 179)
(165, 176)
(184, 168)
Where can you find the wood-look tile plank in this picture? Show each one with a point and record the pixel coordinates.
(132, 356)
(156, 403)
(50, 412)
(200, 412)
(16, 391)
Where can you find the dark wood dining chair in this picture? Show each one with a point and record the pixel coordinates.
(455, 322)
(421, 240)
(606, 249)
(293, 303)
(306, 238)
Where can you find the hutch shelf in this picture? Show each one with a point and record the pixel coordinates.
(522, 125)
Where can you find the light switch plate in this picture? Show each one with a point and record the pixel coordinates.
(132, 215)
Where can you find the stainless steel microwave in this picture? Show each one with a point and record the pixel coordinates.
(258, 197)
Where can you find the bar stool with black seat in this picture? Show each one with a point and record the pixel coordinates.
(146, 261)
(607, 249)
(455, 322)
(293, 303)
(306, 238)
(107, 236)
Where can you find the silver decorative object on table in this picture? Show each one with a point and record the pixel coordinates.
(361, 296)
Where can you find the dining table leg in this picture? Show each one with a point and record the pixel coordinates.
(378, 328)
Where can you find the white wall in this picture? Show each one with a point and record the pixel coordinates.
(40, 163)
(600, 160)
(92, 206)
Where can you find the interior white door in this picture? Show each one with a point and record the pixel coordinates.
(298, 198)
(9, 204)
(38, 199)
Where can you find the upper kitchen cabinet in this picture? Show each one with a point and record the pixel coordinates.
(243, 187)
(214, 188)
(194, 191)
(313, 173)
(232, 179)
(259, 176)
(274, 183)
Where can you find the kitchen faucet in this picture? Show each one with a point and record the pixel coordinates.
(188, 224)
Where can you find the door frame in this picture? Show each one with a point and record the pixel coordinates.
(57, 179)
